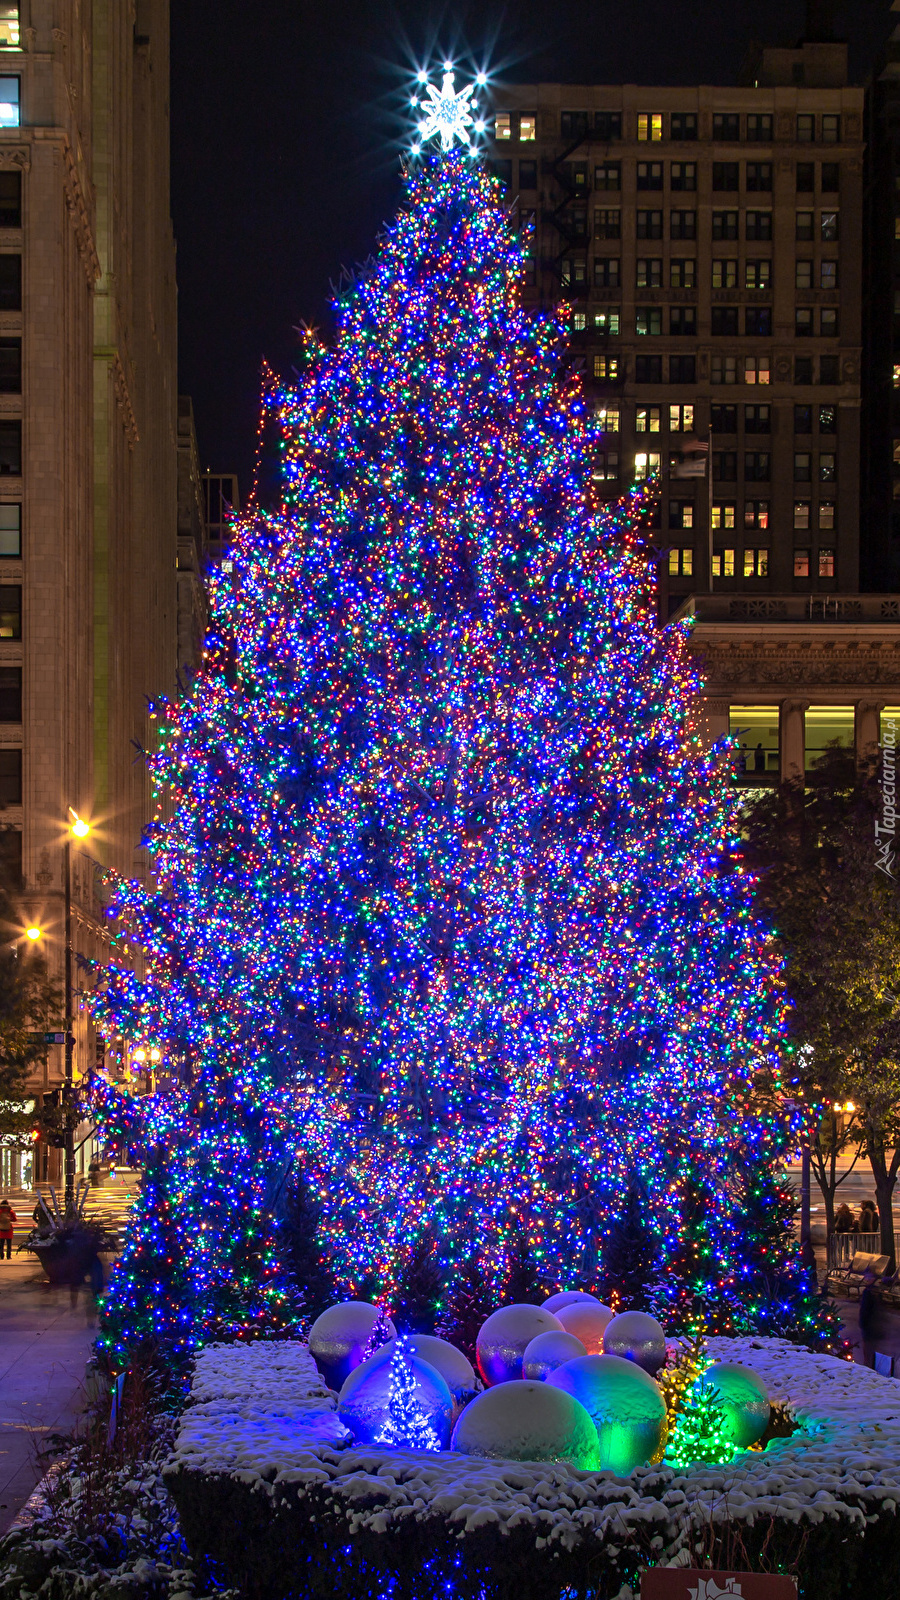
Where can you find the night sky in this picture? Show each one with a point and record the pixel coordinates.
(287, 122)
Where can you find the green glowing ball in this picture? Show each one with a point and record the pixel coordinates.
(625, 1404)
(745, 1401)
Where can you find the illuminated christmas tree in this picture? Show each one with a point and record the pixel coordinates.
(406, 1425)
(449, 905)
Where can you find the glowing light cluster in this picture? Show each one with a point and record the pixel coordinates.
(450, 901)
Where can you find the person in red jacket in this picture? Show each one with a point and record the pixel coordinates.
(7, 1218)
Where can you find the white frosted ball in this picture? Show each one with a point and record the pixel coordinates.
(745, 1399)
(456, 1370)
(365, 1396)
(522, 1421)
(636, 1337)
(547, 1352)
(501, 1340)
(568, 1297)
(625, 1404)
(339, 1336)
(587, 1320)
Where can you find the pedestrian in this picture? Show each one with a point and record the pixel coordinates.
(7, 1218)
(874, 1321)
(868, 1217)
(759, 758)
(843, 1222)
(95, 1173)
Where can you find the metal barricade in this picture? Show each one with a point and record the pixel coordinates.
(842, 1247)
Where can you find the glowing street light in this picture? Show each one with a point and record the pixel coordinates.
(78, 826)
(33, 933)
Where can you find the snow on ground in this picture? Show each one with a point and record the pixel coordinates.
(261, 1412)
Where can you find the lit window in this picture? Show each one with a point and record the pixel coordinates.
(607, 320)
(756, 369)
(803, 272)
(829, 222)
(9, 27)
(579, 322)
(606, 368)
(649, 272)
(606, 466)
(826, 563)
(756, 563)
(826, 514)
(682, 272)
(829, 274)
(647, 419)
(757, 274)
(724, 274)
(723, 514)
(897, 227)
(502, 125)
(11, 611)
(10, 531)
(801, 514)
(827, 419)
(9, 102)
(827, 466)
(527, 129)
(681, 563)
(646, 464)
(649, 126)
(681, 514)
(609, 417)
(573, 271)
(648, 320)
(756, 514)
(723, 564)
(681, 419)
(801, 563)
(723, 369)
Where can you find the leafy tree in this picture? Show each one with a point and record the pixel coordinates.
(631, 1253)
(300, 1250)
(419, 1289)
(837, 918)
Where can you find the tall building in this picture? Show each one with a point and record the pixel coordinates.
(881, 322)
(88, 450)
(709, 240)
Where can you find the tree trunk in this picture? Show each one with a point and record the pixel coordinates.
(884, 1173)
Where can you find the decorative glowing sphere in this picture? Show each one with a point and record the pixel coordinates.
(339, 1336)
(547, 1352)
(502, 1340)
(523, 1421)
(455, 1369)
(365, 1396)
(625, 1404)
(636, 1337)
(745, 1399)
(587, 1320)
(568, 1297)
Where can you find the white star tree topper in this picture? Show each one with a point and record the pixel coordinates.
(448, 115)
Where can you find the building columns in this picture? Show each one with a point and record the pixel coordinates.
(792, 740)
(867, 729)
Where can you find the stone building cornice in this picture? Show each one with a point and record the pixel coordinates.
(842, 645)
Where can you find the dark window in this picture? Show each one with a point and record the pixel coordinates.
(682, 369)
(649, 224)
(724, 419)
(830, 226)
(756, 466)
(683, 175)
(803, 369)
(10, 283)
(527, 174)
(681, 513)
(648, 319)
(831, 177)
(827, 419)
(803, 322)
(606, 272)
(802, 466)
(11, 857)
(607, 223)
(10, 777)
(10, 532)
(828, 369)
(831, 129)
(682, 224)
(503, 171)
(758, 321)
(726, 125)
(682, 272)
(804, 226)
(725, 466)
(829, 324)
(757, 419)
(648, 369)
(648, 272)
(10, 449)
(608, 124)
(759, 224)
(759, 127)
(608, 175)
(725, 321)
(10, 366)
(10, 199)
(649, 175)
(573, 271)
(827, 467)
(529, 271)
(683, 125)
(573, 124)
(725, 175)
(806, 177)
(683, 320)
(10, 611)
(806, 128)
(759, 176)
(803, 419)
(10, 694)
(724, 224)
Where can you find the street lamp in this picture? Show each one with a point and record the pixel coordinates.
(78, 829)
(33, 933)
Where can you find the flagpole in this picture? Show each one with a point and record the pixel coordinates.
(709, 505)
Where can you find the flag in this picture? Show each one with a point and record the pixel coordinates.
(690, 460)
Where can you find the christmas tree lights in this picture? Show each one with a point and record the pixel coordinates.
(406, 1425)
(450, 908)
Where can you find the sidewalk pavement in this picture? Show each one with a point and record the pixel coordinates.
(44, 1346)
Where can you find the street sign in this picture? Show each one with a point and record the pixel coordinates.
(54, 1038)
(685, 1583)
